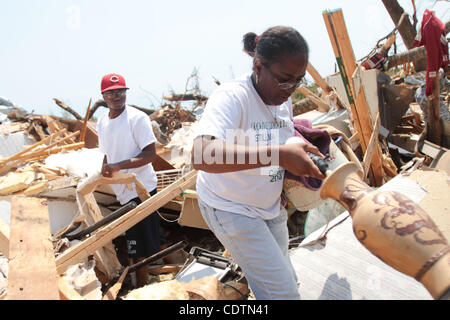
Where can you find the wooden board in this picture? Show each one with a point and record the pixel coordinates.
(32, 269)
(343, 50)
(106, 257)
(190, 215)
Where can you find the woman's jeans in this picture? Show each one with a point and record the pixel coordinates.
(259, 247)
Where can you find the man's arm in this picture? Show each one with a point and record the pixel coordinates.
(147, 155)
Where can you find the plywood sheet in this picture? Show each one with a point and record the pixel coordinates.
(32, 268)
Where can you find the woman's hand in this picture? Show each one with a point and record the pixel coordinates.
(294, 158)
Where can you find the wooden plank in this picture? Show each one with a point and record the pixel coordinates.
(318, 79)
(31, 269)
(371, 148)
(111, 294)
(118, 178)
(33, 146)
(376, 165)
(43, 153)
(4, 239)
(35, 189)
(434, 125)
(345, 57)
(86, 118)
(66, 147)
(323, 106)
(66, 292)
(107, 233)
(105, 257)
(158, 269)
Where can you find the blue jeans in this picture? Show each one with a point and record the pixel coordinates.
(260, 248)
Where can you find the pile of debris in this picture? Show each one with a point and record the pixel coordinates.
(375, 110)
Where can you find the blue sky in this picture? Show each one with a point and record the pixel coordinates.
(61, 49)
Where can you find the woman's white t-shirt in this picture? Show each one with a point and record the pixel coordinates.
(123, 138)
(236, 113)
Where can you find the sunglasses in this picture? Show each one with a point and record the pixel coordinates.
(114, 93)
(287, 85)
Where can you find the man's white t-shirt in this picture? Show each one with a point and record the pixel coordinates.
(123, 138)
(236, 113)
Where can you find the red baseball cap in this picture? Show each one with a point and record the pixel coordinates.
(113, 81)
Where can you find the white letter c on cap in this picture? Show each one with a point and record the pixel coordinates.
(114, 79)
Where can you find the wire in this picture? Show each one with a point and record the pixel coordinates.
(176, 220)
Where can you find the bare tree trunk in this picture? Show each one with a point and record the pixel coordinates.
(407, 56)
(406, 30)
(68, 109)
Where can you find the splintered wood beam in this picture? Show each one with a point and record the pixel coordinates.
(322, 105)
(434, 125)
(31, 269)
(112, 230)
(66, 292)
(351, 76)
(326, 88)
(112, 292)
(33, 146)
(318, 79)
(372, 146)
(86, 118)
(46, 153)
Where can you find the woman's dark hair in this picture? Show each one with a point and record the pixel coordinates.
(275, 44)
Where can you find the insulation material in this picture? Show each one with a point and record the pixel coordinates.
(180, 145)
(81, 163)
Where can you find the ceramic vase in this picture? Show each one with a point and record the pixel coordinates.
(393, 227)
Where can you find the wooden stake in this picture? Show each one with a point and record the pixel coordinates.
(109, 232)
(47, 139)
(86, 118)
(322, 105)
(4, 239)
(318, 79)
(371, 147)
(337, 31)
(434, 126)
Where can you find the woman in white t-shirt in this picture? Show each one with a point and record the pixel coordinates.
(241, 153)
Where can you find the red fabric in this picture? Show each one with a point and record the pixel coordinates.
(432, 36)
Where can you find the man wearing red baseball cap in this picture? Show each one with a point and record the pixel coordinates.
(126, 138)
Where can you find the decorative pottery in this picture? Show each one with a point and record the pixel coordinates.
(393, 227)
